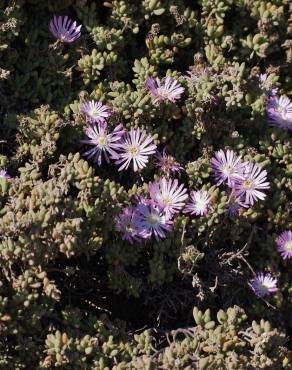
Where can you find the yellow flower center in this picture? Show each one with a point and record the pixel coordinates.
(133, 150)
(288, 246)
(152, 219)
(167, 201)
(248, 184)
(102, 141)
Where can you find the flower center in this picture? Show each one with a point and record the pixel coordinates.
(288, 246)
(201, 204)
(168, 163)
(248, 184)
(153, 218)
(167, 201)
(133, 150)
(227, 169)
(93, 112)
(162, 92)
(102, 141)
(129, 228)
(263, 289)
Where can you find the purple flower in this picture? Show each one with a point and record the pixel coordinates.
(170, 90)
(103, 142)
(135, 148)
(168, 195)
(284, 243)
(263, 285)
(95, 111)
(64, 29)
(167, 163)
(150, 219)
(234, 205)
(227, 166)
(124, 224)
(250, 186)
(279, 112)
(4, 174)
(199, 204)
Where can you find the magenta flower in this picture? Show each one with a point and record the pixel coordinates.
(170, 90)
(168, 195)
(249, 187)
(284, 243)
(135, 148)
(279, 112)
(4, 174)
(64, 29)
(103, 142)
(227, 167)
(151, 220)
(199, 204)
(166, 163)
(124, 223)
(95, 111)
(263, 285)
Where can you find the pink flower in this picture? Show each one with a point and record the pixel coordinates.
(4, 174)
(135, 149)
(263, 285)
(199, 204)
(95, 111)
(284, 244)
(279, 111)
(226, 167)
(168, 195)
(103, 142)
(150, 219)
(64, 29)
(124, 223)
(250, 187)
(170, 90)
(166, 163)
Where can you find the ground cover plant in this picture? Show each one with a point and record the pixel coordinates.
(145, 184)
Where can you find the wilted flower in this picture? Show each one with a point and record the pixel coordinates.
(103, 142)
(124, 224)
(284, 243)
(4, 174)
(95, 111)
(166, 163)
(279, 111)
(234, 205)
(199, 204)
(226, 166)
(150, 219)
(250, 186)
(170, 90)
(64, 29)
(263, 284)
(266, 85)
(168, 195)
(136, 147)
(203, 72)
